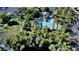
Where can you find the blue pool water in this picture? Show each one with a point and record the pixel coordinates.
(49, 23)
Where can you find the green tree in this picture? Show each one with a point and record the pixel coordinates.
(64, 15)
(61, 41)
(4, 18)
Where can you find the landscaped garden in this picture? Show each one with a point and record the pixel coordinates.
(38, 29)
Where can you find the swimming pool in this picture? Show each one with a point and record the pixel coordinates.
(46, 23)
